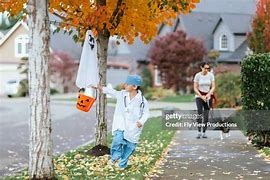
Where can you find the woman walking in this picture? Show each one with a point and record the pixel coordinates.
(204, 86)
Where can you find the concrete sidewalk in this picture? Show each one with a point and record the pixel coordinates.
(212, 158)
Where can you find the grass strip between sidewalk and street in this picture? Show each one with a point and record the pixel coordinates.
(171, 99)
(75, 164)
(266, 152)
(179, 98)
(109, 100)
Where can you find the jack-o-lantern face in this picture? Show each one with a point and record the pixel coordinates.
(84, 102)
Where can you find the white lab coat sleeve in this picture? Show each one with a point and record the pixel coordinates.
(111, 92)
(145, 113)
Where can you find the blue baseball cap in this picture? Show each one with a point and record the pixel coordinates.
(134, 80)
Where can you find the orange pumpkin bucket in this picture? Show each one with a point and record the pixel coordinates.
(84, 102)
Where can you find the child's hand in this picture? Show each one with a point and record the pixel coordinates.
(122, 86)
(139, 125)
(98, 87)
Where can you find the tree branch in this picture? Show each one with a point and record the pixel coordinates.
(58, 15)
(65, 19)
(117, 14)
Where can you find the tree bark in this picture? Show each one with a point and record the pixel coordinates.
(102, 53)
(40, 149)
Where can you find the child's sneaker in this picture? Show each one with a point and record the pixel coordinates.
(199, 136)
(120, 169)
(111, 162)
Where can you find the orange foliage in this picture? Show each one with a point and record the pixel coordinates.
(259, 38)
(14, 7)
(125, 18)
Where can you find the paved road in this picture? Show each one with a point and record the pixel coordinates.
(71, 128)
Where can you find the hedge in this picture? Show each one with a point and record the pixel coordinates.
(255, 87)
(228, 90)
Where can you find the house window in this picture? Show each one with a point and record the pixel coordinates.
(157, 77)
(224, 42)
(22, 46)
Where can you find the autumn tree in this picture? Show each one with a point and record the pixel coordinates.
(259, 38)
(174, 54)
(126, 19)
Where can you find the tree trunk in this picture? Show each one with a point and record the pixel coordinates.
(101, 129)
(40, 149)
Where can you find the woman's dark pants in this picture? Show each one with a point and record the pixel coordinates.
(203, 111)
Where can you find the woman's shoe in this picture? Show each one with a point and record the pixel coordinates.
(204, 136)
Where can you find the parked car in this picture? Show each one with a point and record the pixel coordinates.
(12, 87)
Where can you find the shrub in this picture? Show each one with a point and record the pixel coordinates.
(228, 90)
(256, 82)
(146, 78)
(54, 91)
(158, 93)
(23, 88)
(255, 86)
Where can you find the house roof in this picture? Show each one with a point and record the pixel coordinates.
(8, 32)
(203, 20)
(240, 52)
(5, 31)
(237, 23)
(200, 25)
(203, 25)
(63, 41)
(6, 21)
(227, 6)
(59, 41)
(235, 56)
(139, 50)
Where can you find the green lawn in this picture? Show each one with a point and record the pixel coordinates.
(77, 165)
(109, 100)
(266, 152)
(173, 99)
(179, 98)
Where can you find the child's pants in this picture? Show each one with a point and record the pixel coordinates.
(121, 148)
(117, 143)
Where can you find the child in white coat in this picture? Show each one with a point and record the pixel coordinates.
(131, 112)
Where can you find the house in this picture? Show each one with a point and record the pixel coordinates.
(221, 25)
(222, 32)
(12, 47)
(119, 62)
(14, 44)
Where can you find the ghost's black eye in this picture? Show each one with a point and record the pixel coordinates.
(87, 100)
(79, 97)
